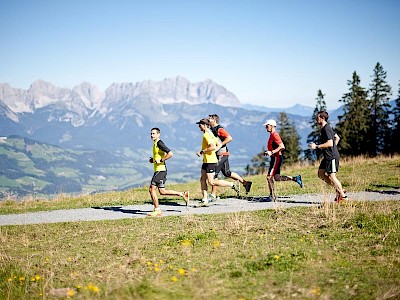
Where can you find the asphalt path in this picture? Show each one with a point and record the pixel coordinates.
(171, 208)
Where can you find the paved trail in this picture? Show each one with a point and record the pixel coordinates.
(178, 209)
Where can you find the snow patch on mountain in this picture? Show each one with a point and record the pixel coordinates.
(86, 101)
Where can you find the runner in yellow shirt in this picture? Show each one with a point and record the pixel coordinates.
(210, 160)
(160, 154)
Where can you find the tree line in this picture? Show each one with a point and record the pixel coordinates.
(368, 125)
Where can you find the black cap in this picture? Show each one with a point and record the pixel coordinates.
(204, 122)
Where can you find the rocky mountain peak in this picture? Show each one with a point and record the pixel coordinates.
(88, 97)
(89, 94)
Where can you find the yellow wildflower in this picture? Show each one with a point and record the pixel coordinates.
(316, 291)
(70, 293)
(186, 243)
(93, 288)
(174, 279)
(216, 244)
(181, 271)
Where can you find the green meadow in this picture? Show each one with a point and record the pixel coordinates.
(334, 251)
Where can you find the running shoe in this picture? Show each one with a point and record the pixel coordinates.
(272, 197)
(342, 199)
(186, 197)
(247, 186)
(202, 203)
(155, 213)
(337, 198)
(212, 198)
(298, 180)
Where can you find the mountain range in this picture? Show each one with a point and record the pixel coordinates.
(118, 121)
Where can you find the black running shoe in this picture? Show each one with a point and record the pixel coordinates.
(247, 186)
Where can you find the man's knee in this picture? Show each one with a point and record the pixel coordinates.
(332, 176)
(212, 181)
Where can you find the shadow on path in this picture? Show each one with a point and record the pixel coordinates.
(133, 211)
(386, 192)
(125, 211)
(285, 199)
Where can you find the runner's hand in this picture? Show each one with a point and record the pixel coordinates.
(268, 153)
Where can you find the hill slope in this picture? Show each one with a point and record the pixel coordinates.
(30, 167)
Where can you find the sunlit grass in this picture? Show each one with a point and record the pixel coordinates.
(356, 174)
(345, 251)
(348, 251)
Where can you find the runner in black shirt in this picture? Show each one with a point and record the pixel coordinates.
(329, 166)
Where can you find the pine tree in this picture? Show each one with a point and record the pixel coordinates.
(379, 133)
(259, 163)
(353, 124)
(290, 138)
(313, 155)
(248, 170)
(396, 129)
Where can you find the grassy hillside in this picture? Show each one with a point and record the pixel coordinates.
(28, 167)
(348, 251)
(358, 174)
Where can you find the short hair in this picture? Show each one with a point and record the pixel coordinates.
(214, 117)
(323, 114)
(156, 129)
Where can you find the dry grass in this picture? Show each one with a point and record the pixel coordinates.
(356, 174)
(348, 251)
(331, 252)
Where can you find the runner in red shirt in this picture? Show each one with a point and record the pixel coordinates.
(275, 147)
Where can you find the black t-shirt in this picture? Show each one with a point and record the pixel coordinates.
(326, 134)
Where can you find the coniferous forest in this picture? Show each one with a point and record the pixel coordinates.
(368, 126)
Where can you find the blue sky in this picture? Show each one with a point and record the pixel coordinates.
(271, 53)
